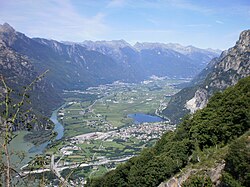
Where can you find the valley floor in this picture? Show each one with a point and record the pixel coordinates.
(99, 134)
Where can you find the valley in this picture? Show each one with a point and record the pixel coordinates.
(122, 93)
(106, 125)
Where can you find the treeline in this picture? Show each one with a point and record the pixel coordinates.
(226, 117)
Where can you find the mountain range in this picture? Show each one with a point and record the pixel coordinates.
(210, 147)
(80, 65)
(216, 96)
(222, 72)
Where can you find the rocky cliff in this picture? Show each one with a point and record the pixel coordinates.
(221, 73)
(231, 66)
(213, 173)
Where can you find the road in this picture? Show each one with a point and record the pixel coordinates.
(57, 170)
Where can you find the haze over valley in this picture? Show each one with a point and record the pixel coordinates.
(153, 98)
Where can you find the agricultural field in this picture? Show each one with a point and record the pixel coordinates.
(98, 134)
(112, 103)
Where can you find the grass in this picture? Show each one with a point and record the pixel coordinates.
(99, 171)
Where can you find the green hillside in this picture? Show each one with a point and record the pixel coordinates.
(226, 117)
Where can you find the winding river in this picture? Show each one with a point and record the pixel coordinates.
(59, 129)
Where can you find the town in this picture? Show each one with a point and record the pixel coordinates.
(100, 130)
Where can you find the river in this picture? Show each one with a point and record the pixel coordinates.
(59, 129)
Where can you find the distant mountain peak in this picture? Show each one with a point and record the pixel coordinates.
(112, 43)
(175, 47)
(6, 28)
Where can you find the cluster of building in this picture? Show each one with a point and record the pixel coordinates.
(144, 132)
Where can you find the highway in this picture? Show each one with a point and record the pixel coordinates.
(57, 170)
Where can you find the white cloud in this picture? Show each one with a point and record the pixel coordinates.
(219, 22)
(55, 19)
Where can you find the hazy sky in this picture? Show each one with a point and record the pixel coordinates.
(202, 23)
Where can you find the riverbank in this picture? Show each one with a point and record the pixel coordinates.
(57, 133)
(26, 145)
(20, 150)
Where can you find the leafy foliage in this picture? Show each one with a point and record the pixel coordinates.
(14, 115)
(198, 181)
(226, 117)
(237, 169)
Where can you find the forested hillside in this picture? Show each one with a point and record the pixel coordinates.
(226, 117)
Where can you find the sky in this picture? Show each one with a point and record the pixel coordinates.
(202, 23)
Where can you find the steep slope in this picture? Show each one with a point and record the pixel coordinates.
(80, 65)
(197, 57)
(146, 59)
(221, 73)
(71, 66)
(18, 72)
(207, 132)
(223, 167)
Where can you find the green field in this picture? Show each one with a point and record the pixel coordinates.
(106, 112)
(105, 109)
(113, 106)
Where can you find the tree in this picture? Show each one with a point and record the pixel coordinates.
(237, 168)
(14, 116)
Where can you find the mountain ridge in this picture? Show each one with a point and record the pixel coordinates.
(200, 138)
(80, 65)
(222, 72)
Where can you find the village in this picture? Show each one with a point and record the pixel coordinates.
(102, 132)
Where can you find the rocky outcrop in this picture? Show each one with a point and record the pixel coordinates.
(231, 67)
(221, 73)
(199, 100)
(213, 173)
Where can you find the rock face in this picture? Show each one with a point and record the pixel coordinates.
(213, 173)
(199, 100)
(221, 73)
(231, 67)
